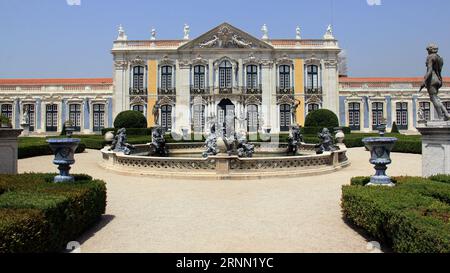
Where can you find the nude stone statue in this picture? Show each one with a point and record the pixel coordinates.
(155, 112)
(433, 80)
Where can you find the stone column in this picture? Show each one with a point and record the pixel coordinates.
(435, 147)
(8, 150)
(183, 98)
(330, 86)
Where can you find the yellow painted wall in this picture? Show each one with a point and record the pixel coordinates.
(300, 89)
(152, 90)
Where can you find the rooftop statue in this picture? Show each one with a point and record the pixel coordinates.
(265, 32)
(433, 80)
(298, 35)
(186, 30)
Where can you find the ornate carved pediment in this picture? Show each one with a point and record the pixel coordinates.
(121, 65)
(137, 100)
(286, 99)
(226, 36)
(200, 60)
(166, 61)
(252, 60)
(166, 101)
(137, 61)
(253, 100)
(284, 60)
(313, 60)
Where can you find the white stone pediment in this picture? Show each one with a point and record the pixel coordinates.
(228, 37)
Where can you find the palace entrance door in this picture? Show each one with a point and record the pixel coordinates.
(226, 117)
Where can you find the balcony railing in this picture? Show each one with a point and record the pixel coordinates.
(167, 91)
(138, 91)
(198, 91)
(227, 91)
(285, 91)
(254, 90)
(313, 91)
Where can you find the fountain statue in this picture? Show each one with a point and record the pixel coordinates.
(326, 142)
(211, 143)
(295, 140)
(244, 149)
(158, 145)
(120, 144)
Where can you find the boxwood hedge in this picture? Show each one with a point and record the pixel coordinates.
(38, 216)
(412, 217)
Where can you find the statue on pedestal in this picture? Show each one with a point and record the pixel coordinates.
(186, 30)
(211, 143)
(433, 80)
(155, 112)
(120, 144)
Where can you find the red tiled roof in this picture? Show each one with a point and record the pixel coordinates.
(394, 80)
(84, 81)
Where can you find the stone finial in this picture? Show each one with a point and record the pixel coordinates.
(265, 32)
(329, 33)
(122, 36)
(298, 35)
(153, 34)
(187, 31)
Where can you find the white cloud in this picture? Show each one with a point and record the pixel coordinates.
(374, 2)
(73, 2)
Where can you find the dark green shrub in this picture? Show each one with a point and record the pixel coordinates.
(40, 149)
(412, 217)
(394, 129)
(443, 178)
(5, 121)
(406, 146)
(130, 131)
(322, 118)
(130, 119)
(39, 216)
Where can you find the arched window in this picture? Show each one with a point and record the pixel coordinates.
(354, 116)
(252, 77)
(313, 107)
(285, 117)
(75, 116)
(199, 77)
(285, 77)
(425, 106)
(252, 118)
(138, 78)
(166, 118)
(7, 111)
(31, 115)
(166, 78)
(225, 75)
(138, 108)
(402, 115)
(99, 117)
(51, 116)
(312, 78)
(199, 118)
(377, 115)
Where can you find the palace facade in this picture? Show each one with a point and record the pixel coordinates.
(224, 76)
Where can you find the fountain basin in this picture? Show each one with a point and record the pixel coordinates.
(182, 162)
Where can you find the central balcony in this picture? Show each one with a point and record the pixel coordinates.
(199, 90)
(313, 91)
(285, 91)
(138, 91)
(167, 91)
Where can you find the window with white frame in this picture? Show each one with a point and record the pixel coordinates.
(166, 77)
(29, 107)
(252, 118)
(284, 77)
(138, 108)
(138, 78)
(377, 114)
(99, 117)
(199, 77)
(225, 75)
(312, 82)
(199, 118)
(313, 107)
(166, 118)
(51, 118)
(402, 115)
(75, 116)
(426, 109)
(252, 77)
(354, 116)
(7, 111)
(285, 117)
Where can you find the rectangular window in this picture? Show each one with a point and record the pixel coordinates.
(402, 115)
(166, 118)
(75, 116)
(285, 117)
(377, 115)
(354, 116)
(52, 117)
(425, 106)
(7, 111)
(31, 115)
(99, 117)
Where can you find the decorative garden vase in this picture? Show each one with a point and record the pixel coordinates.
(64, 150)
(380, 150)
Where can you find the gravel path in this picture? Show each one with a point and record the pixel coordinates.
(146, 214)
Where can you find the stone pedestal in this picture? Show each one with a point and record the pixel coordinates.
(435, 147)
(8, 150)
(26, 129)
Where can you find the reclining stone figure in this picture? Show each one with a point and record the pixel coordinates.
(326, 142)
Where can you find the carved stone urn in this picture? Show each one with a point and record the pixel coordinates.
(64, 150)
(380, 150)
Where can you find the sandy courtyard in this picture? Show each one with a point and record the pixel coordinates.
(146, 214)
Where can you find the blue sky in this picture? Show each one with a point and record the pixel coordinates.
(49, 38)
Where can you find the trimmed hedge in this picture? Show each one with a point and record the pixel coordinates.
(38, 216)
(316, 130)
(412, 217)
(130, 119)
(130, 131)
(322, 118)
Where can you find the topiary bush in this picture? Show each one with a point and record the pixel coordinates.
(394, 129)
(322, 118)
(38, 216)
(130, 119)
